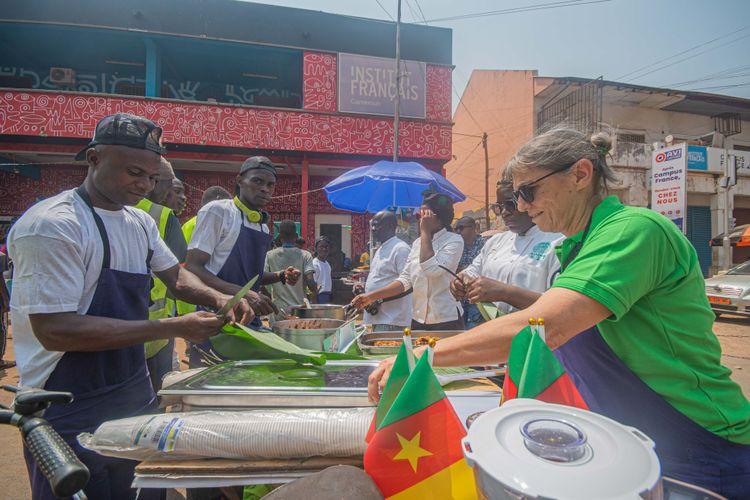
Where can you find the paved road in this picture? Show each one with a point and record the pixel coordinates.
(733, 333)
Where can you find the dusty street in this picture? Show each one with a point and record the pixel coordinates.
(733, 333)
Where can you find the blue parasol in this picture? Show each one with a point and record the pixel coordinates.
(387, 184)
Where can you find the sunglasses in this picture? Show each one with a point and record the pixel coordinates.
(526, 192)
(507, 205)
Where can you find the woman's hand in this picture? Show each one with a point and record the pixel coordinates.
(458, 289)
(377, 379)
(483, 289)
(362, 300)
(428, 222)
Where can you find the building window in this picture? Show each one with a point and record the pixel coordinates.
(213, 71)
(741, 147)
(632, 138)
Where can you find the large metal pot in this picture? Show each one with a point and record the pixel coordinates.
(307, 333)
(331, 311)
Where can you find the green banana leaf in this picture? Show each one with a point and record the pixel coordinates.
(489, 311)
(238, 342)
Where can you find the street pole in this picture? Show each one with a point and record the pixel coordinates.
(486, 180)
(730, 179)
(398, 83)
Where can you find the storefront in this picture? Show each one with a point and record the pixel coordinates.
(267, 92)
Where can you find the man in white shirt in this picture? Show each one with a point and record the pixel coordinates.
(83, 263)
(322, 268)
(433, 306)
(231, 238)
(386, 265)
(514, 267)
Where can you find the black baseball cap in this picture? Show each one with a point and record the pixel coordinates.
(123, 129)
(258, 163)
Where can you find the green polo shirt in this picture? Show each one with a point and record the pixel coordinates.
(640, 266)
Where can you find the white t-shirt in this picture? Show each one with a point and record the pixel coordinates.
(386, 265)
(527, 261)
(432, 301)
(57, 254)
(322, 275)
(216, 230)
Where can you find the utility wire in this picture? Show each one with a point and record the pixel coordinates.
(385, 10)
(516, 10)
(703, 44)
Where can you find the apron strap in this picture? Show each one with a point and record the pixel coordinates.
(99, 225)
(103, 231)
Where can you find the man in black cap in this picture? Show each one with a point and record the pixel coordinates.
(231, 237)
(83, 263)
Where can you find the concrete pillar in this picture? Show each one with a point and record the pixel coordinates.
(153, 69)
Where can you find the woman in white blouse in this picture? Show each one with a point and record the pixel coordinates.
(434, 307)
(514, 267)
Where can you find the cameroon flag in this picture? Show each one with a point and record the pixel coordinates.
(415, 451)
(534, 372)
(399, 374)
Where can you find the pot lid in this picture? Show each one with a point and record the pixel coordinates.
(545, 450)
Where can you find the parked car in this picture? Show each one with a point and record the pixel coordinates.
(730, 292)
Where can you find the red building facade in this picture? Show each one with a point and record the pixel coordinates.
(41, 129)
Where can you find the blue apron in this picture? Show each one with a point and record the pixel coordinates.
(246, 260)
(106, 385)
(686, 451)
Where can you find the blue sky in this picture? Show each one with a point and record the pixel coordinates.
(612, 38)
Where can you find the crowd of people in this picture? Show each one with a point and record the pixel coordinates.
(105, 269)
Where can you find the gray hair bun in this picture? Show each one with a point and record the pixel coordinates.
(602, 142)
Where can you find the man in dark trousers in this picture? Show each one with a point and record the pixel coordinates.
(83, 263)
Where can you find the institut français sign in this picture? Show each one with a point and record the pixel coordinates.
(368, 85)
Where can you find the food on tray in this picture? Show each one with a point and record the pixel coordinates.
(420, 341)
(387, 343)
(424, 340)
(309, 324)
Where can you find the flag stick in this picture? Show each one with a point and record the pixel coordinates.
(541, 329)
(409, 349)
(532, 324)
(431, 351)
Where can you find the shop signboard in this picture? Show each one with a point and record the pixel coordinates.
(368, 85)
(697, 158)
(669, 183)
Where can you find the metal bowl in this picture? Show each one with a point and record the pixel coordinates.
(331, 311)
(308, 333)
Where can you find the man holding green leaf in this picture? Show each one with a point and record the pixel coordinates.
(231, 237)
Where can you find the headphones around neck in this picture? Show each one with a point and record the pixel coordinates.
(256, 216)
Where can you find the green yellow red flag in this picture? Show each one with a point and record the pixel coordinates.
(534, 372)
(415, 450)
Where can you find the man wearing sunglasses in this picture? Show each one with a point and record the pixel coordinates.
(514, 267)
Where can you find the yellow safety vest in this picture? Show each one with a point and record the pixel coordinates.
(187, 231)
(161, 305)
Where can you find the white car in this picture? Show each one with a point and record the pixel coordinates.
(730, 292)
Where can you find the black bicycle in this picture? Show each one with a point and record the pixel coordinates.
(66, 474)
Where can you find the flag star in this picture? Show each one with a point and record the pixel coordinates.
(410, 450)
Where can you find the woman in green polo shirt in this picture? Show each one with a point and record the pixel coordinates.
(628, 317)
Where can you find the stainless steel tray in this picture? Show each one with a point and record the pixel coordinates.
(367, 340)
(344, 385)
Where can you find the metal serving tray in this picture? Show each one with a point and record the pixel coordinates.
(366, 342)
(339, 384)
